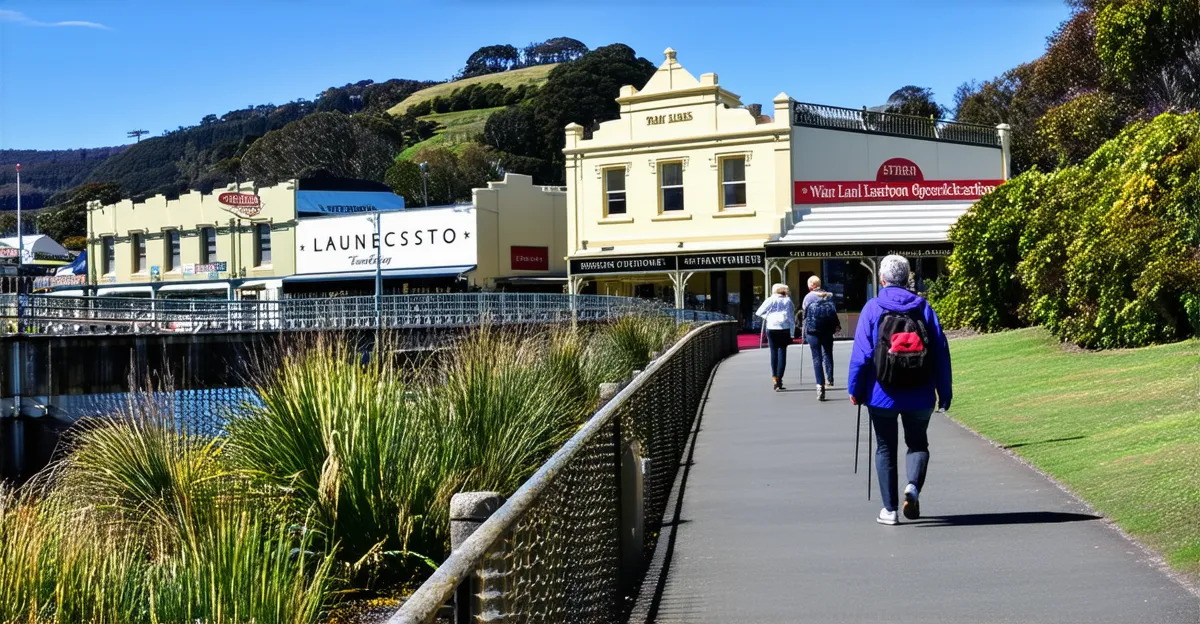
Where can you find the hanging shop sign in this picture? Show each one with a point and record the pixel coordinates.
(407, 239)
(319, 203)
(897, 180)
(856, 250)
(628, 264)
(721, 261)
(242, 204)
(530, 258)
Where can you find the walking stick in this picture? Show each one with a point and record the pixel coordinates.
(857, 434)
(868, 460)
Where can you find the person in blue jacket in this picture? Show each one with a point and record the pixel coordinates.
(913, 405)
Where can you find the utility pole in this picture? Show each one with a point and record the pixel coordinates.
(377, 220)
(137, 134)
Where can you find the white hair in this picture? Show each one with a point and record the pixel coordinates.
(778, 287)
(814, 282)
(894, 270)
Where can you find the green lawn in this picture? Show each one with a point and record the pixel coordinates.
(535, 75)
(1120, 428)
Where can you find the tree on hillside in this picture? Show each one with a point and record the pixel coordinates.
(490, 60)
(582, 91)
(915, 101)
(1151, 47)
(449, 176)
(70, 219)
(556, 50)
(350, 146)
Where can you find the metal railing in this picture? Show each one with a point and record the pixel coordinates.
(822, 116)
(557, 550)
(71, 315)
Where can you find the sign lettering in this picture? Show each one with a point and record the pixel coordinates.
(245, 204)
(852, 192)
(913, 250)
(665, 118)
(718, 261)
(438, 237)
(642, 264)
(530, 258)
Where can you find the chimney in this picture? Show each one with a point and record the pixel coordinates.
(755, 110)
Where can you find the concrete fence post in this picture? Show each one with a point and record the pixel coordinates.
(482, 592)
(608, 391)
(634, 469)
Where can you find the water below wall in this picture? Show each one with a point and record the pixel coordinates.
(27, 445)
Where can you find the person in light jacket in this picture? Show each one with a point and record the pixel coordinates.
(779, 317)
(913, 401)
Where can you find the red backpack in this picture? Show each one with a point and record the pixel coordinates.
(902, 358)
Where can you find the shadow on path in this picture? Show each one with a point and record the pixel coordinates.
(1014, 517)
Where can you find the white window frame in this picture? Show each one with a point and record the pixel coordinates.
(727, 183)
(662, 188)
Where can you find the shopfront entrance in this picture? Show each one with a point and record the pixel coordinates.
(849, 270)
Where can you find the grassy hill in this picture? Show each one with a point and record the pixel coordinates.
(535, 76)
(453, 129)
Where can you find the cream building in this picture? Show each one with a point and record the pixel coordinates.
(694, 198)
(680, 193)
(194, 245)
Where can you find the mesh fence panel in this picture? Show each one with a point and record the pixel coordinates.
(553, 552)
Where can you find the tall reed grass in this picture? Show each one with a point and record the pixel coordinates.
(337, 480)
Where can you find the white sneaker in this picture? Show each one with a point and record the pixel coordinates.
(887, 517)
(912, 508)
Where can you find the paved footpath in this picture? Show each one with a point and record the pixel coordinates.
(775, 527)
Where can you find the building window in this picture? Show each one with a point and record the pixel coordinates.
(139, 253)
(109, 253)
(208, 245)
(614, 191)
(670, 184)
(262, 244)
(172, 250)
(733, 182)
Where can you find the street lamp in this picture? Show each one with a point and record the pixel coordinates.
(375, 219)
(425, 183)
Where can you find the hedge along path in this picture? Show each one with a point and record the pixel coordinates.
(1120, 428)
(1103, 254)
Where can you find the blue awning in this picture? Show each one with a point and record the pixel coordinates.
(387, 274)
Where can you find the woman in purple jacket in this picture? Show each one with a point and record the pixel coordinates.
(912, 405)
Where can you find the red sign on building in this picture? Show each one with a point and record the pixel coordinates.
(530, 258)
(897, 180)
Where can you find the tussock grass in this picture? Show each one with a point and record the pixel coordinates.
(335, 482)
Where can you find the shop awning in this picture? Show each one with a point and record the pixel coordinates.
(901, 222)
(451, 271)
(123, 290)
(260, 284)
(533, 279)
(194, 286)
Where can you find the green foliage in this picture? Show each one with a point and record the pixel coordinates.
(70, 219)
(1137, 38)
(583, 92)
(1104, 253)
(915, 101)
(451, 174)
(350, 146)
(1075, 129)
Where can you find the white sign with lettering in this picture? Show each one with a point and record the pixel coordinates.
(410, 239)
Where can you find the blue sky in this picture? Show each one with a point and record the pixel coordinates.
(81, 73)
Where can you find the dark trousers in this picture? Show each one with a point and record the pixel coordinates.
(822, 355)
(778, 340)
(916, 425)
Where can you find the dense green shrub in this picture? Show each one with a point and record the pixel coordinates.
(1104, 254)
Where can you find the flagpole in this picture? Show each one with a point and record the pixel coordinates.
(20, 262)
